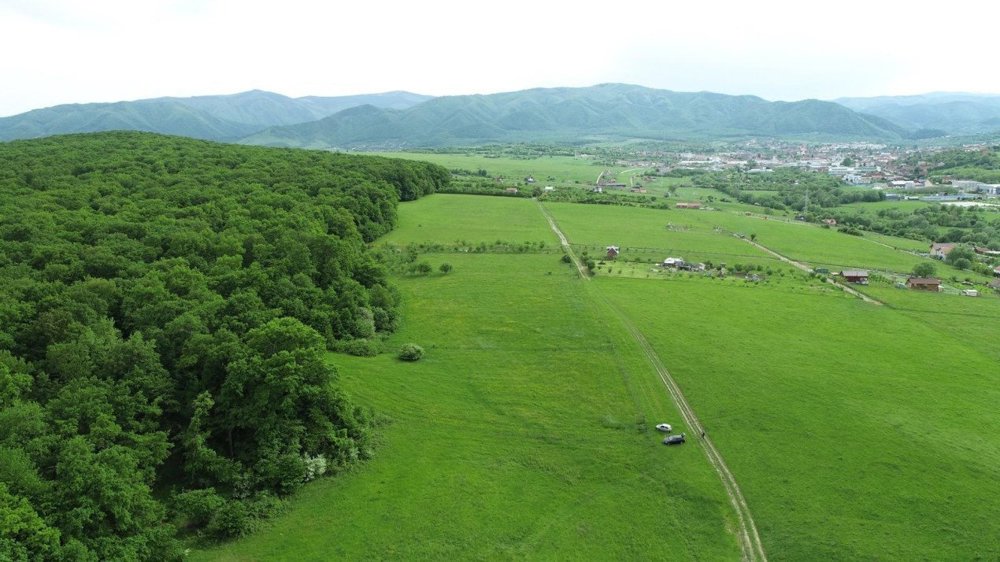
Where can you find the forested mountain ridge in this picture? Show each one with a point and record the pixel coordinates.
(165, 305)
(225, 117)
(575, 115)
(953, 113)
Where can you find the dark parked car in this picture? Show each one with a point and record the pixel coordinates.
(674, 440)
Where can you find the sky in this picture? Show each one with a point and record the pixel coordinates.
(68, 51)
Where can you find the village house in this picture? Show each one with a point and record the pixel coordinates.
(859, 276)
(612, 252)
(672, 262)
(940, 250)
(924, 284)
(830, 222)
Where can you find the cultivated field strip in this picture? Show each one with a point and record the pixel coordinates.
(750, 543)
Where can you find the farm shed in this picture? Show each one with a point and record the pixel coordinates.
(924, 283)
(859, 276)
(612, 252)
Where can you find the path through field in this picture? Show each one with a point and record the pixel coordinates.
(804, 267)
(749, 539)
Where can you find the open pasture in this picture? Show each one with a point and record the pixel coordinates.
(856, 431)
(652, 234)
(447, 219)
(526, 431)
(547, 170)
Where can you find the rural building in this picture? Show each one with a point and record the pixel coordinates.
(830, 222)
(672, 262)
(924, 284)
(529, 179)
(941, 250)
(694, 205)
(996, 271)
(511, 190)
(612, 252)
(859, 276)
(970, 293)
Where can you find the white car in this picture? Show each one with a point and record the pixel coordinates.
(664, 427)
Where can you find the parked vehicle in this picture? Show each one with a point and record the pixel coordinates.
(664, 427)
(674, 440)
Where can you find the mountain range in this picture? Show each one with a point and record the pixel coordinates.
(606, 112)
(951, 113)
(221, 118)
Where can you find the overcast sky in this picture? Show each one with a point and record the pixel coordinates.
(71, 51)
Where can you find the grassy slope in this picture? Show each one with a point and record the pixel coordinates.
(862, 433)
(516, 436)
(856, 432)
(562, 169)
(445, 219)
(667, 233)
(800, 241)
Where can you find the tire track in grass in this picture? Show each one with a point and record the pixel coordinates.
(750, 543)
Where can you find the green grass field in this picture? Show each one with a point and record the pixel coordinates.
(516, 436)
(547, 170)
(855, 431)
(447, 219)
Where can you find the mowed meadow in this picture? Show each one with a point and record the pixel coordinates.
(855, 431)
(525, 432)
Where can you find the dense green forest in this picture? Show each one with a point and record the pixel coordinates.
(165, 305)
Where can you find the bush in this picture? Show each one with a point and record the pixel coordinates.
(197, 507)
(566, 258)
(410, 352)
(358, 347)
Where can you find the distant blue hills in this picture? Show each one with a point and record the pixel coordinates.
(606, 112)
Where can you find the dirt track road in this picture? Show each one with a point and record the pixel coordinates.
(804, 267)
(750, 543)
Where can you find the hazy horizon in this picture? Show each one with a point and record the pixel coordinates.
(114, 50)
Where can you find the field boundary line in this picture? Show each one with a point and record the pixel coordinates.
(751, 547)
(562, 240)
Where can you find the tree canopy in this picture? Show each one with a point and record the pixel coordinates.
(165, 305)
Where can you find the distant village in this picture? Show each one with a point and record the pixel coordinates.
(860, 163)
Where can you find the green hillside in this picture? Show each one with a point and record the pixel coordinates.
(577, 115)
(226, 117)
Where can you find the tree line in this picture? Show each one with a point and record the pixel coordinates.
(165, 308)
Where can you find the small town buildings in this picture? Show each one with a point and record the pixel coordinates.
(942, 249)
(859, 276)
(924, 284)
(612, 252)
